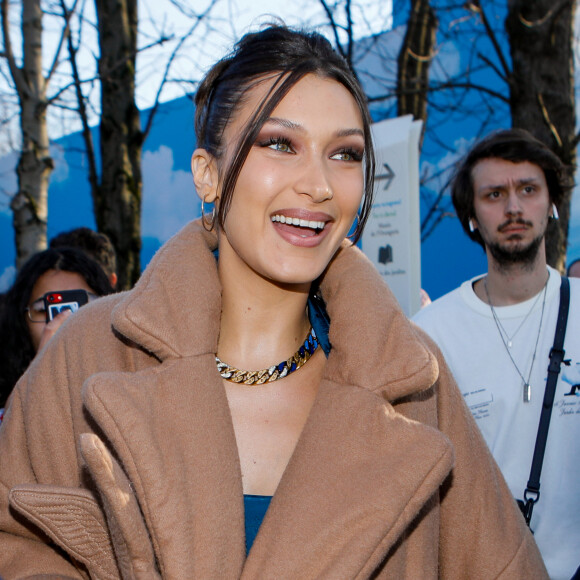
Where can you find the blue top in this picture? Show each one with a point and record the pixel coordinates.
(255, 508)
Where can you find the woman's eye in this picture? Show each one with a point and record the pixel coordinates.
(347, 155)
(277, 144)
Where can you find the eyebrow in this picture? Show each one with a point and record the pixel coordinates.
(519, 182)
(287, 124)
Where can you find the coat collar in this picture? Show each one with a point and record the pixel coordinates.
(171, 430)
(170, 427)
(174, 312)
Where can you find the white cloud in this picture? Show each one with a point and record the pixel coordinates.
(7, 278)
(8, 181)
(169, 197)
(61, 171)
(436, 176)
(447, 62)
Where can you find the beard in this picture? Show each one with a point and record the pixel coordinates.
(518, 255)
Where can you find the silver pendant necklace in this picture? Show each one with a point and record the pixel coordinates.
(509, 340)
(507, 344)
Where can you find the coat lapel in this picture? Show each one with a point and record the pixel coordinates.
(172, 432)
(359, 476)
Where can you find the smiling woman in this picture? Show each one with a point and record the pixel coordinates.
(258, 406)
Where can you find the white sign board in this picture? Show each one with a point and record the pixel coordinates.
(391, 239)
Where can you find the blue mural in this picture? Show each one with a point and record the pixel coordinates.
(456, 118)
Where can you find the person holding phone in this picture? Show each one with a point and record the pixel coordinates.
(258, 405)
(24, 326)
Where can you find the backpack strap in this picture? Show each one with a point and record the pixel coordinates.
(557, 353)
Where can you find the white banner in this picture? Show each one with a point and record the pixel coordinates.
(391, 239)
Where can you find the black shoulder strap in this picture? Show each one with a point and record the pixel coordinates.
(557, 353)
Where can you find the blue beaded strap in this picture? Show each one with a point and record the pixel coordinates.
(275, 372)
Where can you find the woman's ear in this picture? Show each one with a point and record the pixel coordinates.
(205, 175)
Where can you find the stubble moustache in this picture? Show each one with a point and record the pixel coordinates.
(520, 255)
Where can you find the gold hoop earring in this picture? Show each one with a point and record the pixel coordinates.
(208, 226)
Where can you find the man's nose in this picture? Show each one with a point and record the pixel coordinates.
(513, 205)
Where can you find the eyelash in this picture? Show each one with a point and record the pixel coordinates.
(356, 156)
(276, 141)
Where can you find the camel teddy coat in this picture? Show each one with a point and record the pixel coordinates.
(118, 456)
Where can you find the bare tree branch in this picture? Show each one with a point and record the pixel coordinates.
(15, 71)
(64, 34)
(175, 52)
(475, 6)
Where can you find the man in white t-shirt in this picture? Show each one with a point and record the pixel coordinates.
(496, 331)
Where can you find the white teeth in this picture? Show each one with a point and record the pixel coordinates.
(314, 225)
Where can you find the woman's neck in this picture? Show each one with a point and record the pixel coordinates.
(262, 323)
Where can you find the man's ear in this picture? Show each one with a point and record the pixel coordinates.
(205, 175)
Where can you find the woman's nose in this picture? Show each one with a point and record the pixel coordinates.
(314, 182)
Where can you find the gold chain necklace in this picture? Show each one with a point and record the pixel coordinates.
(275, 372)
(526, 384)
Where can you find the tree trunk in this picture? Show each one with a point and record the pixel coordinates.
(30, 204)
(415, 59)
(541, 34)
(118, 201)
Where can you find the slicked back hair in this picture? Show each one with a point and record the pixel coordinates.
(285, 56)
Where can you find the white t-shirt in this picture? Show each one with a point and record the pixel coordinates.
(464, 328)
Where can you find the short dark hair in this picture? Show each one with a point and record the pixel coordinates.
(17, 349)
(96, 245)
(285, 55)
(517, 146)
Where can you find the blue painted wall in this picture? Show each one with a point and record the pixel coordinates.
(169, 199)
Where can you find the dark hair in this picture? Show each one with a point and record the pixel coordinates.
(96, 245)
(285, 55)
(517, 146)
(17, 349)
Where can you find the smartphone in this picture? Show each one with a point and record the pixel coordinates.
(59, 301)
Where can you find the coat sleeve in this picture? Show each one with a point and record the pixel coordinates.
(25, 551)
(478, 511)
(37, 446)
